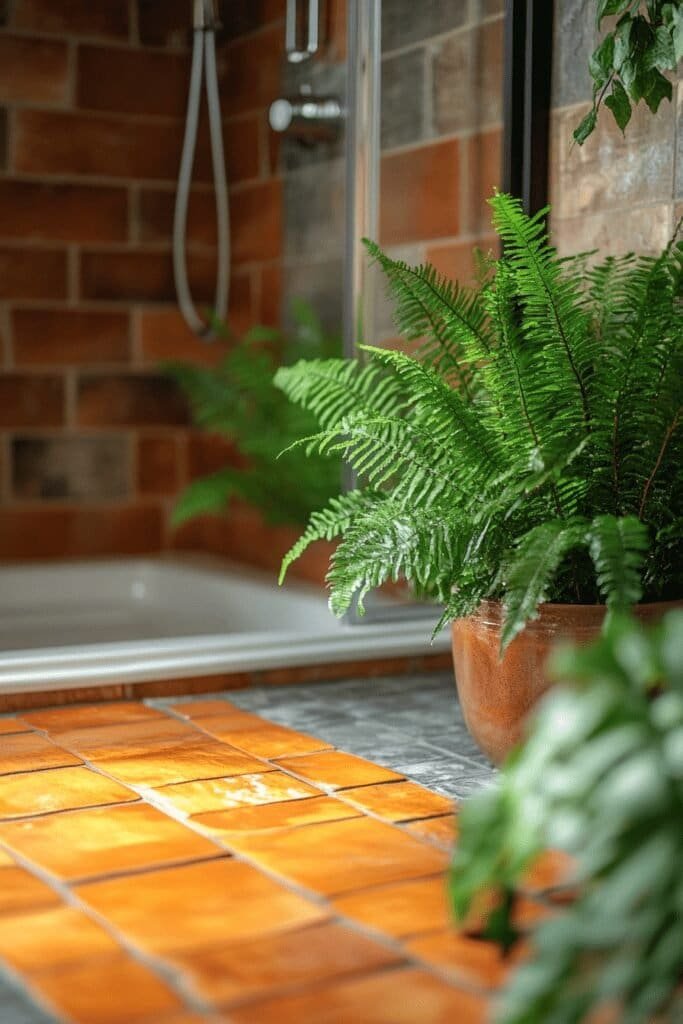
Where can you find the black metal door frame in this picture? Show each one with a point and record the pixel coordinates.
(526, 100)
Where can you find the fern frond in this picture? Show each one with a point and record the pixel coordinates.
(331, 522)
(332, 389)
(207, 495)
(555, 322)
(530, 573)
(448, 318)
(618, 548)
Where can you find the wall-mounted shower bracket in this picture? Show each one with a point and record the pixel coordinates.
(295, 54)
(307, 117)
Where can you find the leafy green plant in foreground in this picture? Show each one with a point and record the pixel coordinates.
(630, 63)
(238, 400)
(600, 776)
(529, 451)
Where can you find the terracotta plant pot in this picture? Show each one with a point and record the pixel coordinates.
(496, 695)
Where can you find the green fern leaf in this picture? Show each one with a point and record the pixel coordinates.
(536, 558)
(618, 548)
(208, 495)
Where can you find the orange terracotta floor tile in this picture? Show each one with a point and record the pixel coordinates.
(336, 770)
(207, 708)
(237, 791)
(470, 961)
(104, 840)
(199, 905)
(408, 908)
(38, 940)
(13, 725)
(269, 741)
(28, 751)
(398, 801)
(58, 720)
(20, 890)
(227, 974)
(405, 996)
(551, 870)
(290, 814)
(441, 831)
(185, 762)
(131, 739)
(366, 853)
(108, 991)
(57, 789)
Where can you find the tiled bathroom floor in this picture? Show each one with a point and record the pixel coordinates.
(197, 860)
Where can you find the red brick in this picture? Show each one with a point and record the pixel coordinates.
(156, 216)
(166, 24)
(69, 337)
(256, 221)
(207, 453)
(31, 401)
(125, 400)
(62, 213)
(32, 273)
(33, 531)
(456, 260)
(158, 465)
(484, 171)
(56, 142)
(165, 335)
(139, 276)
(132, 81)
(420, 194)
(33, 70)
(103, 18)
(249, 71)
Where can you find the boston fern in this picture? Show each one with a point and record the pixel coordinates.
(237, 400)
(530, 448)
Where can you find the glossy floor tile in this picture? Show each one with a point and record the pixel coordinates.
(286, 961)
(104, 841)
(199, 905)
(188, 798)
(57, 789)
(228, 861)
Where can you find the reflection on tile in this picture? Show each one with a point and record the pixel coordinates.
(40, 940)
(103, 840)
(237, 791)
(398, 801)
(133, 992)
(227, 825)
(367, 853)
(181, 763)
(57, 789)
(225, 974)
(392, 997)
(27, 751)
(336, 770)
(200, 905)
(406, 908)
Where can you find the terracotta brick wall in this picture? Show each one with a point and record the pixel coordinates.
(93, 439)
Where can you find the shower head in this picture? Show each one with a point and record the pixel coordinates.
(205, 18)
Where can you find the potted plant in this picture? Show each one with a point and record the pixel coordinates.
(237, 400)
(600, 776)
(522, 466)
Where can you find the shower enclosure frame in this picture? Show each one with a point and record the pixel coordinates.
(527, 79)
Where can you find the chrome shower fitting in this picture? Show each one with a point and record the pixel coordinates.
(306, 117)
(295, 55)
(206, 18)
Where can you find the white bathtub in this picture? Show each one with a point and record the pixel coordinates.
(128, 620)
